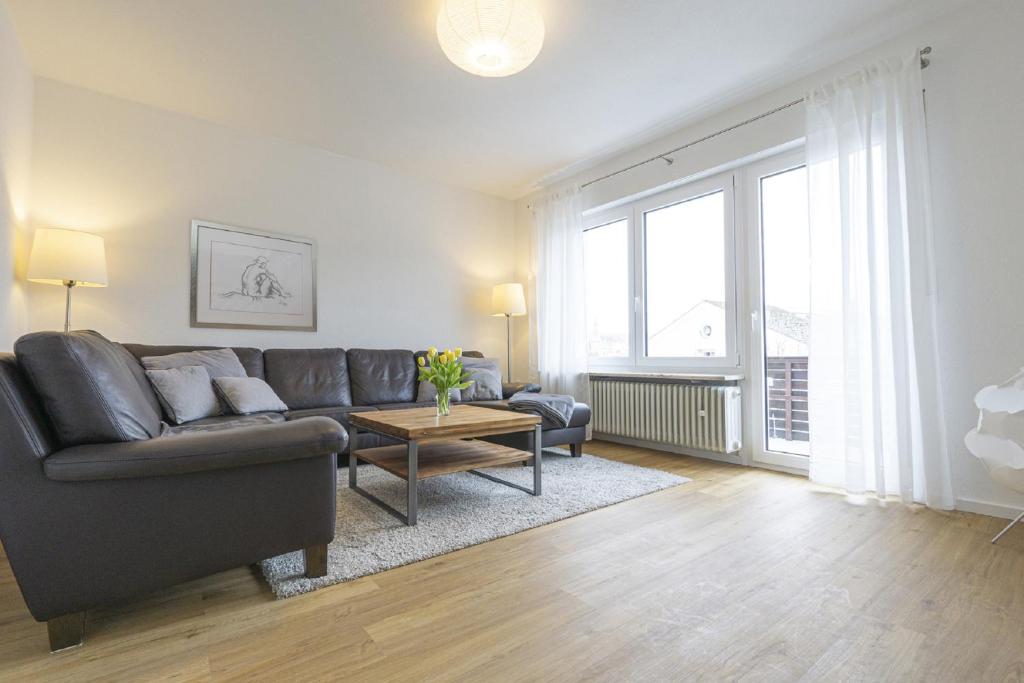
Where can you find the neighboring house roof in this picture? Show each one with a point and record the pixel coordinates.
(784, 322)
(793, 325)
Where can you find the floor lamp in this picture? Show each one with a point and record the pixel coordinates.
(508, 300)
(70, 258)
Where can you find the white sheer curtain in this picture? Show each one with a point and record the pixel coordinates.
(875, 400)
(558, 345)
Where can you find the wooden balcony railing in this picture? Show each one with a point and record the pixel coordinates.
(787, 398)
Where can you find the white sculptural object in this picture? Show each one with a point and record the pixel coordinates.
(998, 440)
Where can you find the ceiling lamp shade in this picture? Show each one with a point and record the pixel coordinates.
(490, 37)
(62, 256)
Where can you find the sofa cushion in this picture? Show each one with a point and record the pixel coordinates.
(197, 452)
(139, 372)
(508, 389)
(185, 393)
(250, 358)
(87, 388)
(382, 376)
(218, 362)
(248, 395)
(337, 413)
(222, 422)
(580, 414)
(340, 414)
(308, 378)
(486, 376)
(500, 404)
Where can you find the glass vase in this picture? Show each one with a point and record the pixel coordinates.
(444, 403)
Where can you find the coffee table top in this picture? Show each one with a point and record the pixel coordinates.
(423, 424)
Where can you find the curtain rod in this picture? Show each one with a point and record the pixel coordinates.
(664, 156)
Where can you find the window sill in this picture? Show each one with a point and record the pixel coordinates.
(668, 376)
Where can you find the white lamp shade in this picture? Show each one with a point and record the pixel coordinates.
(490, 37)
(508, 299)
(62, 255)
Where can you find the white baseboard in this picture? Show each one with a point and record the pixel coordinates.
(732, 458)
(982, 507)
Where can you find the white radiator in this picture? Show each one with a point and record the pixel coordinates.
(697, 416)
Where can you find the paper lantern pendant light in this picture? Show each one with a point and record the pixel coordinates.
(490, 37)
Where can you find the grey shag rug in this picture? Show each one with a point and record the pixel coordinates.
(457, 511)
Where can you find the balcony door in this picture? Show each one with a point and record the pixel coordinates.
(780, 321)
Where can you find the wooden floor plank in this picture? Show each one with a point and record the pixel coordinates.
(740, 574)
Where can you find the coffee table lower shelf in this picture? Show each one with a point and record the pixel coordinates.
(444, 457)
(413, 462)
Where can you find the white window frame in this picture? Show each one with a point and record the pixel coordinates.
(633, 213)
(724, 183)
(752, 175)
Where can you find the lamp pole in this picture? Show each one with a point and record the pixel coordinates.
(508, 344)
(68, 284)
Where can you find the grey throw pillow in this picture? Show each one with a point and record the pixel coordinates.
(185, 393)
(486, 376)
(246, 395)
(218, 362)
(428, 392)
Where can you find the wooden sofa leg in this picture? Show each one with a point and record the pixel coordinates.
(66, 631)
(575, 449)
(316, 561)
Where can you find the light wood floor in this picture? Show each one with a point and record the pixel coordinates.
(741, 574)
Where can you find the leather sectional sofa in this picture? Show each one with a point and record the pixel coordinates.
(335, 383)
(88, 520)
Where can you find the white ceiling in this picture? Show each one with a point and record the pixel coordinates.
(366, 78)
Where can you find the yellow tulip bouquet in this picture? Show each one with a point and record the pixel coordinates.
(444, 370)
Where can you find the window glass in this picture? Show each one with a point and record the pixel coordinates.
(606, 266)
(686, 310)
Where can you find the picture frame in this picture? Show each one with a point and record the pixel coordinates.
(251, 279)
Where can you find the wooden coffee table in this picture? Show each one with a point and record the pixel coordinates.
(440, 445)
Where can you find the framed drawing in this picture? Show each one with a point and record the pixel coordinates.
(248, 279)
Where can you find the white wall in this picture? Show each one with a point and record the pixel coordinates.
(975, 96)
(15, 165)
(402, 262)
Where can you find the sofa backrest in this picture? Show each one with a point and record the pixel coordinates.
(88, 387)
(382, 376)
(308, 378)
(317, 378)
(251, 359)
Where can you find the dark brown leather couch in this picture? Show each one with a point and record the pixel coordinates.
(89, 524)
(335, 383)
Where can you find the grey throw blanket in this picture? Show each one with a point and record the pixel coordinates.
(556, 407)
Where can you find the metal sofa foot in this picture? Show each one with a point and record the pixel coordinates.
(316, 561)
(66, 631)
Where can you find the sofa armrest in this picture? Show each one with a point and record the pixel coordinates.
(509, 388)
(198, 452)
